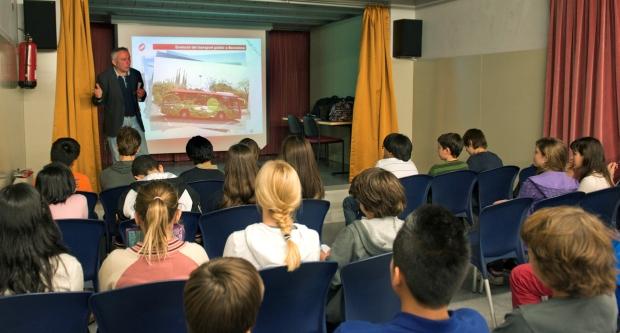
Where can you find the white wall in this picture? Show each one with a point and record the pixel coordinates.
(402, 74)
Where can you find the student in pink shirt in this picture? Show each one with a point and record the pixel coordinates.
(160, 256)
(56, 184)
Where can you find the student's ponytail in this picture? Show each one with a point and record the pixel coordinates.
(156, 206)
(278, 191)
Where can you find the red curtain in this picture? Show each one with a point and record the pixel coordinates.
(583, 72)
(288, 82)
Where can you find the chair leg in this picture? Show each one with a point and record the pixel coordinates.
(474, 279)
(487, 288)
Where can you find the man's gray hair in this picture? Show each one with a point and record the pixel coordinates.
(117, 50)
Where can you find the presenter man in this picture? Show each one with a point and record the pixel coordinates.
(119, 89)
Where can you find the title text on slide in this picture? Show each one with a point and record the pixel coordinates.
(211, 47)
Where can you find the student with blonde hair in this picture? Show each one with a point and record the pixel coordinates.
(572, 257)
(223, 296)
(277, 240)
(239, 177)
(551, 159)
(159, 256)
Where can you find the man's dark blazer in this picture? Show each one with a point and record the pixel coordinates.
(113, 100)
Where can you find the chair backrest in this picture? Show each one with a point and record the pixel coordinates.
(496, 184)
(499, 236)
(65, 312)
(604, 204)
(310, 127)
(109, 200)
(190, 224)
(416, 192)
(83, 239)
(295, 301)
(568, 199)
(367, 289)
(218, 225)
(210, 192)
(91, 201)
(294, 125)
(154, 307)
(453, 190)
(312, 214)
(526, 173)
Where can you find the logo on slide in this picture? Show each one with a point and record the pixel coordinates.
(141, 47)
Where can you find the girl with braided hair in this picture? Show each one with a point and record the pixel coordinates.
(277, 240)
(160, 255)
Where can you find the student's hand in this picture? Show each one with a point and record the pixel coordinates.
(98, 92)
(500, 201)
(612, 167)
(325, 255)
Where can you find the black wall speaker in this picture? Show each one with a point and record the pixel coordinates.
(407, 39)
(40, 23)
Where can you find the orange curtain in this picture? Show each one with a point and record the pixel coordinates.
(374, 113)
(74, 114)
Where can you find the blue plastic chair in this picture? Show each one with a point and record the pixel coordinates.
(218, 225)
(453, 190)
(83, 239)
(498, 238)
(109, 200)
(604, 204)
(91, 200)
(295, 301)
(154, 307)
(568, 199)
(210, 192)
(367, 290)
(65, 312)
(416, 192)
(524, 174)
(496, 184)
(312, 214)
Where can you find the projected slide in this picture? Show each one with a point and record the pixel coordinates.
(199, 86)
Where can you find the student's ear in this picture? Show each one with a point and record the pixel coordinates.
(396, 276)
(160, 168)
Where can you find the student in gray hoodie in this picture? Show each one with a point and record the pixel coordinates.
(119, 174)
(382, 199)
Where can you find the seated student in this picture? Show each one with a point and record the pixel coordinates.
(550, 157)
(119, 174)
(223, 296)
(571, 256)
(253, 147)
(33, 258)
(449, 148)
(397, 156)
(396, 159)
(239, 176)
(200, 151)
(66, 151)
(160, 256)
(297, 152)
(56, 184)
(480, 158)
(277, 240)
(589, 165)
(429, 264)
(381, 198)
(144, 169)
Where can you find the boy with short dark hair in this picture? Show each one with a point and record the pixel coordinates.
(119, 174)
(480, 158)
(449, 147)
(397, 156)
(145, 168)
(66, 151)
(200, 151)
(223, 296)
(430, 261)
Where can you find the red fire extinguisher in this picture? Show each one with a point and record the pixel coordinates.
(27, 63)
